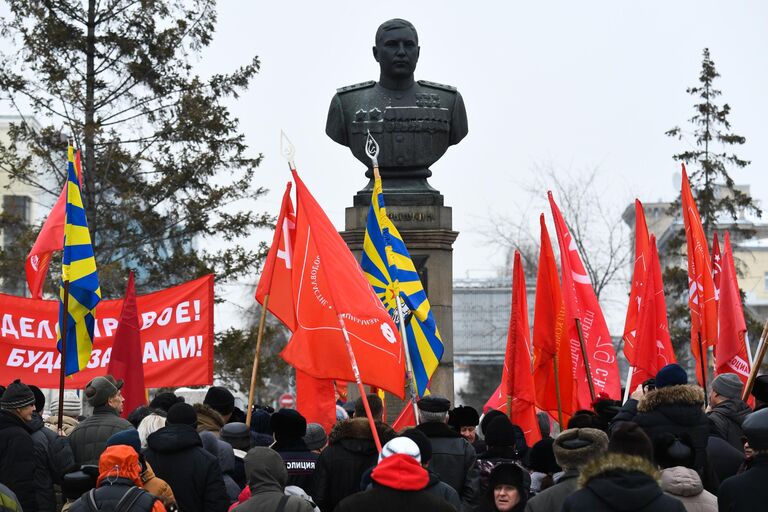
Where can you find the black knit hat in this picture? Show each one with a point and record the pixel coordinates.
(16, 396)
(422, 441)
(487, 417)
(182, 414)
(759, 390)
(463, 416)
(630, 439)
(39, 398)
(502, 432)
(165, 401)
(541, 457)
(220, 400)
(288, 424)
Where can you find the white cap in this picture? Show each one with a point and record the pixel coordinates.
(400, 445)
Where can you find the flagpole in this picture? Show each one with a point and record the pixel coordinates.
(762, 347)
(62, 369)
(703, 369)
(557, 393)
(358, 380)
(586, 359)
(255, 369)
(627, 390)
(749, 348)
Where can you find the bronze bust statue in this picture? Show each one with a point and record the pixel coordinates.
(414, 122)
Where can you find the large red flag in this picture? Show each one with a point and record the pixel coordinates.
(581, 303)
(126, 360)
(549, 341)
(329, 287)
(516, 394)
(701, 287)
(653, 345)
(717, 271)
(406, 418)
(637, 291)
(731, 353)
(315, 398)
(50, 238)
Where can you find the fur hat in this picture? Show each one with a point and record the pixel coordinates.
(576, 447)
(165, 401)
(288, 424)
(630, 439)
(72, 405)
(182, 414)
(16, 396)
(463, 416)
(487, 417)
(315, 438)
(220, 399)
(671, 375)
(541, 457)
(508, 473)
(587, 419)
(728, 385)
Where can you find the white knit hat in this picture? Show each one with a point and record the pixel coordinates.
(71, 404)
(400, 445)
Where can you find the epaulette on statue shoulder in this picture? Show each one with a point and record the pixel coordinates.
(435, 85)
(355, 87)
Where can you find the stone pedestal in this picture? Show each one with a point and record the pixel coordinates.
(426, 227)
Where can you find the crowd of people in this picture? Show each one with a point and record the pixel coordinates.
(662, 450)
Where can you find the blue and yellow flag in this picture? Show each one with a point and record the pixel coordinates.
(78, 266)
(398, 273)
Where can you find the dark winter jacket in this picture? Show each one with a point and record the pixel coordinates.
(17, 463)
(748, 491)
(453, 459)
(89, 438)
(299, 460)
(726, 418)
(724, 458)
(267, 478)
(399, 484)
(119, 472)
(340, 467)
(442, 490)
(674, 409)
(176, 454)
(53, 458)
(554, 497)
(620, 483)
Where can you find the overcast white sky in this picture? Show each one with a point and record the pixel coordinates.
(575, 84)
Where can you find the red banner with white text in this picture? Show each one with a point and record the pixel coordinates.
(176, 338)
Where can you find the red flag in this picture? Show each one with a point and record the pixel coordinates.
(581, 303)
(279, 265)
(701, 287)
(516, 378)
(316, 400)
(407, 418)
(637, 291)
(716, 266)
(50, 238)
(731, 346)
(653, 345)
(126, 360)
(548, 338)
(328, 285)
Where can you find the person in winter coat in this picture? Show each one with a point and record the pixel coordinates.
(748, 491)
(267, 479)
(398, 483)
(674, 407)
(620, 482)
(119, 471)
(760, 392)
(226, 457)
(208, 419)
(17, 463)
(340, 467)
(221, 400)
(89, 437)
(453, 458)
(464, 420)
(675, 457)
(150, 425)
(289, 428)
(508, 489)
(542, 465)
(726, 409)
(506, 443)
(71, 413)
(176, 455)
(435, 486)
(149, 481)
(53, 456)
(574, 449)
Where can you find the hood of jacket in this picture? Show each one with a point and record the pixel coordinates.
(681, 481)
(265, 470)
(623, 482)
(435, 429)
(355, 435)
(9, 419)
(682, 404)
(735, 410)
(401, 472)
(119, 461)
(208, 418)
(173, 438)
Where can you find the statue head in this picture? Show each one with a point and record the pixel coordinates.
(396, 50)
